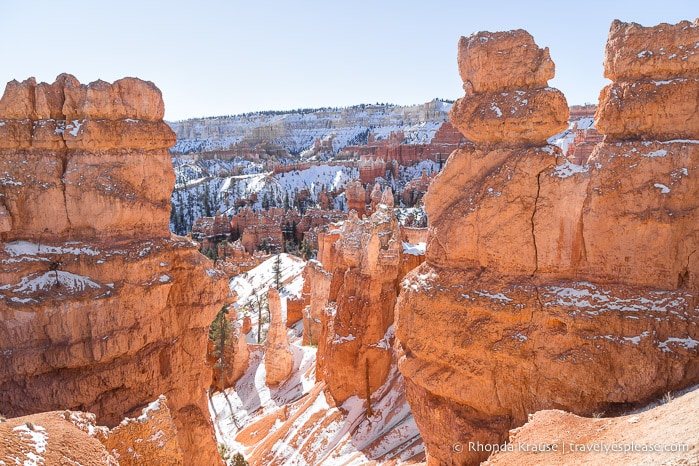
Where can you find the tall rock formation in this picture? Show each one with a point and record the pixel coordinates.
(357, 295)
(356, 197)
(101, 308)
(318, 280)
(278, 357)
(654, 73)
(548, 284)
(508, 101)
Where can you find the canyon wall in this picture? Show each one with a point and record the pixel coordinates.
(549, 284)
(101, 308)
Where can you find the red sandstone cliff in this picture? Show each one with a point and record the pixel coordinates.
(548, 284)
(101, 308)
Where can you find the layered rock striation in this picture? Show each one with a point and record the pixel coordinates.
(655, 85)
(101, 308)
(354, 291)
(548, 284)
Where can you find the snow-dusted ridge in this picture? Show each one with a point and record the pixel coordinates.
(298, 130)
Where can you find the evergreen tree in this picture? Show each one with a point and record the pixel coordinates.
(277, 270)
(221, 333)
(207, 202)
(238, 460)
(306, 250)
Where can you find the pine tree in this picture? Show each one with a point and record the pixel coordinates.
(221, 333)
(306, 250)
(238, 460)
(277, 269)
(207, 202)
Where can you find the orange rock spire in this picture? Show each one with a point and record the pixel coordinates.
(548, 284)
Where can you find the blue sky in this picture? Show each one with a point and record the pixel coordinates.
(218, 57)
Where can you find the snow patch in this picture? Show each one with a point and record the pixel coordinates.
(76, 127)
(568, 169)
(340, 339)
(153, 406)
(656, 153)
(497, 296)
(37, 438)
(26, 248)
(414, 249)
(45, 281)
(687, 343)
(663, 189)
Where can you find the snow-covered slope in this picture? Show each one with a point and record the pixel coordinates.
(263, 276)
(296, 131)
(253, 284)
(296, 423)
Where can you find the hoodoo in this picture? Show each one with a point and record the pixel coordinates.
(101, 308)
(358, 294)
(549, 284)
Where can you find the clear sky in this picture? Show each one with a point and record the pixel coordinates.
(222, 57)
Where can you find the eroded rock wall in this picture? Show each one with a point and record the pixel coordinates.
(548, 284)
(101, 308)
(355, 297)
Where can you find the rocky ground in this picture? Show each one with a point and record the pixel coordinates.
(667, 434)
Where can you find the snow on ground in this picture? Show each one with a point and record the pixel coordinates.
(251, 399)
(66, 281)
(262, 277)
(315, 177)
(35, 439)
(414, 249)
(254, 284)
(296, 424)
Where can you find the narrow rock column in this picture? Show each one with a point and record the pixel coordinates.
(279, 360)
